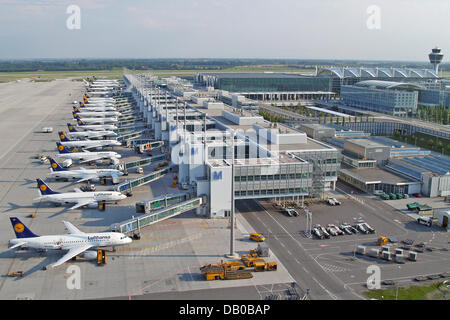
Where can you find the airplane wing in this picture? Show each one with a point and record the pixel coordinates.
(92, 159)
(88, 177)
(82, 203)
(72, 229)
(70, 254)
(94, 146)
(17, 245)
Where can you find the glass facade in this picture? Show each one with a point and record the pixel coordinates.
(396, 102)
(273, 84)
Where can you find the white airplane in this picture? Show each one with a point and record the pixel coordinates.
(94, 114)
(87, 156)
(96, 120)
(94, 108)
(82, 174)
(92, 127)
(76, 242)
(86, 144)
(78, 197)
(88, 134)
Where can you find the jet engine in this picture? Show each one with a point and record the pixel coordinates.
(90, 255)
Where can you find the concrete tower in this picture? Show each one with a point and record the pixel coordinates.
(436, 58)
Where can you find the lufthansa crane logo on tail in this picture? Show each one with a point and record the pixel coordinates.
(19, 228)
(43, 187)
(54, 165)
(79, 122)
(75, 115)
(75, 109)
(70, 127)
(62, 136)
(60, 148)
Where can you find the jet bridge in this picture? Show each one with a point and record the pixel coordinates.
(140, 163)
(156, 216)
(130, 122)
(131, 135)
(165, 201)
(129, 129)
(128, 186)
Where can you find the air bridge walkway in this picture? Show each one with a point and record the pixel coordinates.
(132, 135)
(130, 122)
(147, 206)
(128, 186)
(140, 163)
(156, 216)
(132, 128)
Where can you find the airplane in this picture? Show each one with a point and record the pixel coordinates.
(83, 174)
(86, 144)
(87, 156)
(76, 242)
(88, 134)
(93, 127)
(94, 114)
(96, 120)
(78, 197)
(92, 108)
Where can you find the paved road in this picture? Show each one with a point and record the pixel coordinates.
(301, 265)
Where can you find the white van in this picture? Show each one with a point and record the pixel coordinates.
(425, 221)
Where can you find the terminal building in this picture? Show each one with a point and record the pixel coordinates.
(226, 153)
(395, 98)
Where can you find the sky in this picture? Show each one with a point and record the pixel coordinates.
(403, 30)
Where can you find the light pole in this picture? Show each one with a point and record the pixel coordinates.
(232, 254)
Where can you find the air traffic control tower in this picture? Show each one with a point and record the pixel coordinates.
(436, 58)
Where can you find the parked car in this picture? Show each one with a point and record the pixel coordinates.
(318, 232)
(333, 230)
(361, 227)
(392, 196)
(336, 202)
(417, 195)
(384, 196)
(325, 233)
(331, 202)
(348, 228)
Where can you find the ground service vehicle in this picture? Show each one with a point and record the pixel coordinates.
(382, 240)
(257, 237)
(425, 221)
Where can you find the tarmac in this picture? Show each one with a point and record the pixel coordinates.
(165, 261)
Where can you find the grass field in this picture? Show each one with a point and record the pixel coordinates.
(117, 73)
(426, 292)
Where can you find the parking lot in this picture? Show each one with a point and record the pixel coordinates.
(329, 267)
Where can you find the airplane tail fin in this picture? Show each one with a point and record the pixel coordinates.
(61, 148)
(63, 136)
(75, 115)
(44, 189)
(80, 122)
(20, 229)
(54, 166)
(71, 128)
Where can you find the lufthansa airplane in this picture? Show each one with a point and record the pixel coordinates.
(78, 197)
(76, 242)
